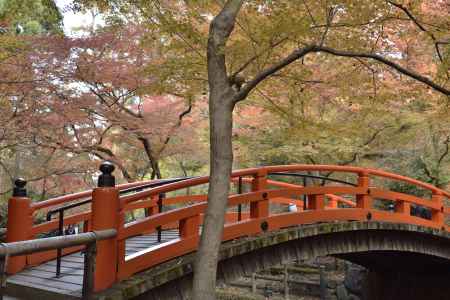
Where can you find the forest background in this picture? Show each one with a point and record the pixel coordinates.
(132, 88)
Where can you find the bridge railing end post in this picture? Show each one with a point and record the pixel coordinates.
(106, 215)
(19, 223)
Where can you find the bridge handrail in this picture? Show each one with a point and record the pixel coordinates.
(39, 245)
(50, 243)
(152, 222)
(280, 184)
(190, 215)
(85, 195)
(284, 168)
(191, 182)
(239, 173)
(359, 171)
(251, 172)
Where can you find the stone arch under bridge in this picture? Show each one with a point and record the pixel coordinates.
(405, 261)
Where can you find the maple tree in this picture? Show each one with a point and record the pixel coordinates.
(81, 99)
(365, 44)
(316, 81)
(109, 104)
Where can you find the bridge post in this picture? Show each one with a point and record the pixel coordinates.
(364, 201)
(154, 208)
(332, 203)
(438, 215)
(402, 207)
(316, 202)
(20, 221)
(189, 226)
(259, 209)
(105, 215)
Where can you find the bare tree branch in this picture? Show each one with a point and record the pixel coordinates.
(330, 17)
(256, 56)
(299, 53)
(443, 155)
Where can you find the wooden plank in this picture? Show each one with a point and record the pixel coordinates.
(69, 272)
(28, 290)
(74, 279)
(130, 243)
(67, 264)
(79, 259)
(64, 271)
(51, 266)
(67, 287)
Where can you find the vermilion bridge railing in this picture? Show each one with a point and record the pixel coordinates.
(333, 202)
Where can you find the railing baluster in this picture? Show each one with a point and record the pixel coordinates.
(189, 226)
(240, 205)
(260, 209)
(59, 250)
(364, 201)
(402, 207)
(3, 263)
(305, 199)
(160, 208)
(89, 269)
(316, 202)
(438, 215)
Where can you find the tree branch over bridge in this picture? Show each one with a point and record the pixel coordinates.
(300, 53)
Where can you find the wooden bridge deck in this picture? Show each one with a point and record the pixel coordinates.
(69, 284)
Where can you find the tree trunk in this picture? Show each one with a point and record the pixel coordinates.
(219, 185)
(156, 173)
(221, 105)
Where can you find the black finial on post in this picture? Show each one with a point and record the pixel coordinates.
(106, 179)
(19, 188)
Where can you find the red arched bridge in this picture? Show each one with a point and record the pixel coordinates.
(348, 200)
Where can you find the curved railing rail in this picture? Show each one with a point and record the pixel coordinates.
(336, 201)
